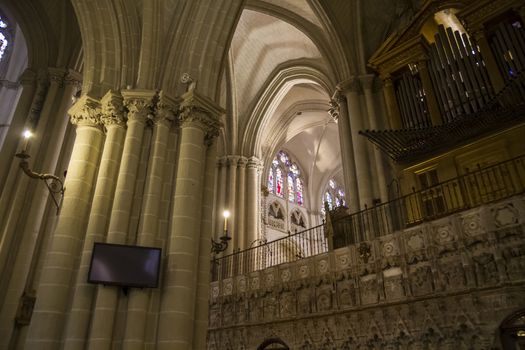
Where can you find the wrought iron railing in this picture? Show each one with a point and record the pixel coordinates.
(290, 248)
(474, 188)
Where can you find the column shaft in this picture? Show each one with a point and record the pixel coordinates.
(28, 222)
(231, 191)
(83, 296)
(176, 324)
(363, 173)
(220, 204)
(238, 231)
(252, 189)
(139, 298)
(12, 139)
(203, 282)
(347, 153)
(107, 297)
(53, 291)
(368, 82)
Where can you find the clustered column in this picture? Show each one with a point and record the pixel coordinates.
(114, 120)
(375, 124)
(139, 298)
(240, 239)
(252, 204)
(339, 112)
(139, 105)
(198, 118)
(352, 90)
(222, 170)
(65, 246)
(231, 188)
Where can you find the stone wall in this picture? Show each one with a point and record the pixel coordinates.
(444, 284)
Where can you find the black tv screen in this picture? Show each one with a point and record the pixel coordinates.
(125, 265)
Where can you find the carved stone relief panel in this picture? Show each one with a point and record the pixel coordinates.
(421, 280)
(324, 298)
(287, 305)
(347, 293)
(369, 289)
(393, 283)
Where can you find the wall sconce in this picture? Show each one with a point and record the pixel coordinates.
(222, 245)
(54, 185)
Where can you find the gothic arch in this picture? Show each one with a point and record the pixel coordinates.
(253, 142)
(273, 343)
(512, 330)
(332, 52)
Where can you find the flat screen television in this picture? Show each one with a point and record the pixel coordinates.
(125, 265)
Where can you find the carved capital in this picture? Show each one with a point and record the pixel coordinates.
(253, 163)
(86, 111)
(241, 163)
(232, 160)
(139, 104)
(112, 109)
(222, 162)
(166, 109)
(198, 110)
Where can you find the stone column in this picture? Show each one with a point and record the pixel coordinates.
(252, 204)
(238, 229)
(114, 120)
(339, 112)
(27, 222)
(177, 310)
(203, 282)
(11, 200)
(12, 140)
(220, 204)
(52, 296)
(147, 235)
(352, 91)
(231, 192)
(138, 103)
(433, 109)
(394, 116)
(368, 83)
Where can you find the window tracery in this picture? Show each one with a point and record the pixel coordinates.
(285, 175)
(4, 37)
(334, 196)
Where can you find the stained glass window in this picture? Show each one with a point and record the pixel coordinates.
(3, 37)
(285, 175)
(299, 191)
(270, 181)
(291, 192)
(328, 199)
(334, 195)
(279, 185)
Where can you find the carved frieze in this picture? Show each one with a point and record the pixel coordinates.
(436, 290)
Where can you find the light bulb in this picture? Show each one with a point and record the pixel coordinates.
(226, 214)
(27, 133)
